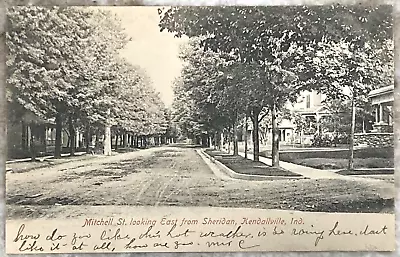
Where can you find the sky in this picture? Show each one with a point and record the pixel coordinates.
(156, 52)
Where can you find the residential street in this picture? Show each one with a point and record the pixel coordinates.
(176, 176)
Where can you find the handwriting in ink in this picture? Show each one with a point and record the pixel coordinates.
(75, 237)
(241, 245)
(367, 231)
(54, 236)
(55, 246)
(218, 244)
(79, 248)
(184, 234)
(148, 234)
(104, 246)
(161, 245)
(31, 247)
(115, 236)
(336, 232)
(231, 234)
(21, 236)
(177, 244)
(131, 245)
(277, 232)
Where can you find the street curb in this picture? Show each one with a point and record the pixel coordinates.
(224, 169)
(213, 166)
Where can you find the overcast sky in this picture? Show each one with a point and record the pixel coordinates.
(154, 51)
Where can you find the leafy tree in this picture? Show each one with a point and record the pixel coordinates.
(254, 35)
(56, 56)
(278, 41)
(349, 72)
(63, 63)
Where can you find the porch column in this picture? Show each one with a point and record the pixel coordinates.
(77, 138)
(363, 126)
(377, 114)
(24, 141)
(29, 135)
(380, 113)
(317, 118)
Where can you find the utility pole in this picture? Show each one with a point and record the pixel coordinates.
(275, 138)
(352, 129)
(245, 137)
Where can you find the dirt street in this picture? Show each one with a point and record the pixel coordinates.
(174, 176)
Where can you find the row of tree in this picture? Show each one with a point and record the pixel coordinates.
(64, 64)
(251, 61)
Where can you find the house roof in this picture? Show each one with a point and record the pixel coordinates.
(381, 91)
(313, 110)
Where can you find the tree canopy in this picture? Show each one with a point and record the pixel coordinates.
(281, 51)
(65, 62)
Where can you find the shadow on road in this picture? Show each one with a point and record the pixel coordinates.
(183, 145)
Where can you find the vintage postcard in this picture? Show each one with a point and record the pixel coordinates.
(200, 129)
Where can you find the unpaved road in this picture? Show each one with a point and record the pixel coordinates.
(176, 176)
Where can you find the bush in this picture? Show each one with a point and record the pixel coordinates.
(329, 139)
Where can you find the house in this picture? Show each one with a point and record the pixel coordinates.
(26, 132)
(382, 100)
(310, 106)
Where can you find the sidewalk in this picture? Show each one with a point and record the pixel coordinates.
(302, 170)
(87, 164)
(43, 158)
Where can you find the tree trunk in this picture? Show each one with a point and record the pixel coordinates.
(88, 138)
(57, 149)
(221, 141)
(116, 141)
(124, 140)
(353, 125)
(45, 140)
(97, 142)
(245, 137)
(235, 138)
(71, 136)
(24, 139)
(275, 139)
(256, 142)
(32, 144)
(301, 136)
(107, 140)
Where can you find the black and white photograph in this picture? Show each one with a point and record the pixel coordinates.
(285, 108)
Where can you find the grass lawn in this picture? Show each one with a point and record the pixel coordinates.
(245, 166)
(364, 158)
(332, 163)
(367, 172)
